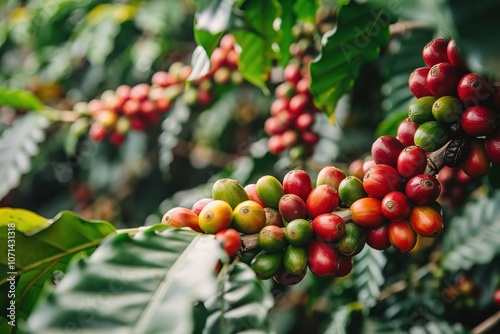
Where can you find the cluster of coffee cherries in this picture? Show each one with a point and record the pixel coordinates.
(293, 225)
(138, 107)
(454, 105)
(290, 125)
(395, 200)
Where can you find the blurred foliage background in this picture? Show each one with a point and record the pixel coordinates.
(67, 51)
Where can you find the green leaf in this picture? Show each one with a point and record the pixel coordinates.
(472, 238)
(212, 19)
(474, 40)
(286, 37)
(438, 327)
(171, 128)
(257, 54)
(242, 303)
(75, 131)
(148, 283)
(40, 247)
(389, 126)
(20, 99)
(368, 275)
(341, 319)
(403, 55)
(357, 39)
(200, 63)
(17, 145)
(305, 10)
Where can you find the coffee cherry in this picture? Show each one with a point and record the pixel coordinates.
(420, 110)
(328, 227)
(496, 297)
(291, 207)
(402, 236)
(266, 264)
(351, 189)
(200, 204)
(426, 221)
(406, 131)
(492, 146)
(423, 189)
(272, 239)
(353, 241)
(231, 240)
(435, 52)
(378, 237)
(273, 217)
(473, 89)
(248, 217)
(251, 190)
(454, 55)
(286, 278)
(215, 216)
(443, 79)
(479, 121)
(367, 212)
(477, 162)
(297, 182)
(386, 149)
(322, 260)
(396, 206)
(345, 267)
(380, 180)
(411, 161)
(432, 135)
(417, 82)
(330, 175)
(181, 217)
(322, 199)
(447, 109)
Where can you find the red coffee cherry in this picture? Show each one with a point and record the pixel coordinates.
(435, 52)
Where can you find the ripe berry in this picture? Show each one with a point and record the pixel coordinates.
(426, 221)
(443, 79)
(454, 55)
(291, 207)
(328, 227)
(322, 259)
(297, 182)
(378, 237)
(417, 82)
(492, 146)
(322, 199)
(367, 212)
(477, 162)
(479, 121)
(396, 205)
(380, 180)
(473, 88)
(386, 149)
(231, 240)
(435, 51)
(411, 161)
(402, 236)
(330, 175)
(292, 73)
(423, 189)
(406, 131)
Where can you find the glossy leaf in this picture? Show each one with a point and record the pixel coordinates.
(242, 303)
(305, 10)
(438, 327)
(20, 99)
(257, 55)
(357, 39)
(474, 40)
(472, 238)
(212, 18)
(403, 55)
(52, 243)
(18, 145)
(286, 37)
(368, 275)
(171, 128)
(142, 284)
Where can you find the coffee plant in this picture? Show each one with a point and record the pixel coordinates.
(284, 166)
